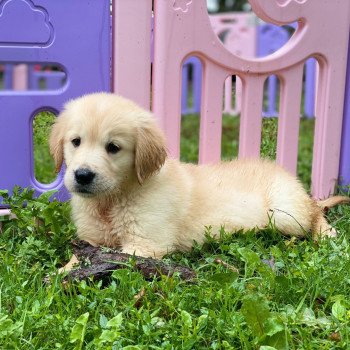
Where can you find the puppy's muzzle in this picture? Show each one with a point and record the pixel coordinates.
(84, 176)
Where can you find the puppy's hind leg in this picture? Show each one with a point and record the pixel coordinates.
(321, 229)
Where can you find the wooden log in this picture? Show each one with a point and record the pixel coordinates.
(100, 263)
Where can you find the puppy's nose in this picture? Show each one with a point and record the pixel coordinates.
(84, 176)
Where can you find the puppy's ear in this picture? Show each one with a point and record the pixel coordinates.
(150, 153)
(56, 143)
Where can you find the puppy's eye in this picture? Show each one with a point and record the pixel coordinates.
(76, 142)
(112, 148)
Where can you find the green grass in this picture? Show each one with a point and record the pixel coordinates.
(44, 168)
(275, 292)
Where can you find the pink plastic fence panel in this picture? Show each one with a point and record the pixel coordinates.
(240, 32)
(132, 24)
(20, 77)
(237, 31)
(73, 34)
(182, 28)
(15, 77)
(269, 39)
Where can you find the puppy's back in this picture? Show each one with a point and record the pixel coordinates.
(247, 194)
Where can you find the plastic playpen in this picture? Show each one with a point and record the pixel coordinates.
(74, 35)
(240, 32)
(244, 35)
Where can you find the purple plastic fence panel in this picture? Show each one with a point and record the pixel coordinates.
(196, 66)
(73, 34)
(8, 72)
(270, 39)
(344, 169)
(51, 80)
(310, 88)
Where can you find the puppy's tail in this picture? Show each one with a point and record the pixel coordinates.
(333, 201)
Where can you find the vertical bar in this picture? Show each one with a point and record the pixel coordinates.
(166, 102)
(238, 95)
(228, 96)
(166, 74)
(20, 77)
(211, 113)
(328, 129)
(250, 125)
(132, 24)
(289, 118)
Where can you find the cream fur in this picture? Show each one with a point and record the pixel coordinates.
(149, 205)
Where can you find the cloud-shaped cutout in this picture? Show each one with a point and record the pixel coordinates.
(286, 2)
(182, 5)
(24, 24)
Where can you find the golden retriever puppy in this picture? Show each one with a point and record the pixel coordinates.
(127, 194)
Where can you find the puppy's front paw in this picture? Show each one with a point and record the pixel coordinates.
(146, 253)
(129, 250)
(69, 266)
(135, 251)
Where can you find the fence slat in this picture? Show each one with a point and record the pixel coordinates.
(289, 118)
(132, 22)
(211, 114)
(250, 125)
(328, 130)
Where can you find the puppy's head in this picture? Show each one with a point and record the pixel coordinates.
(106, 141)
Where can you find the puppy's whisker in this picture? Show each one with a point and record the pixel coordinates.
(290, 215)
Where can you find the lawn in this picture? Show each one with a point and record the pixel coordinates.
(269, 292)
